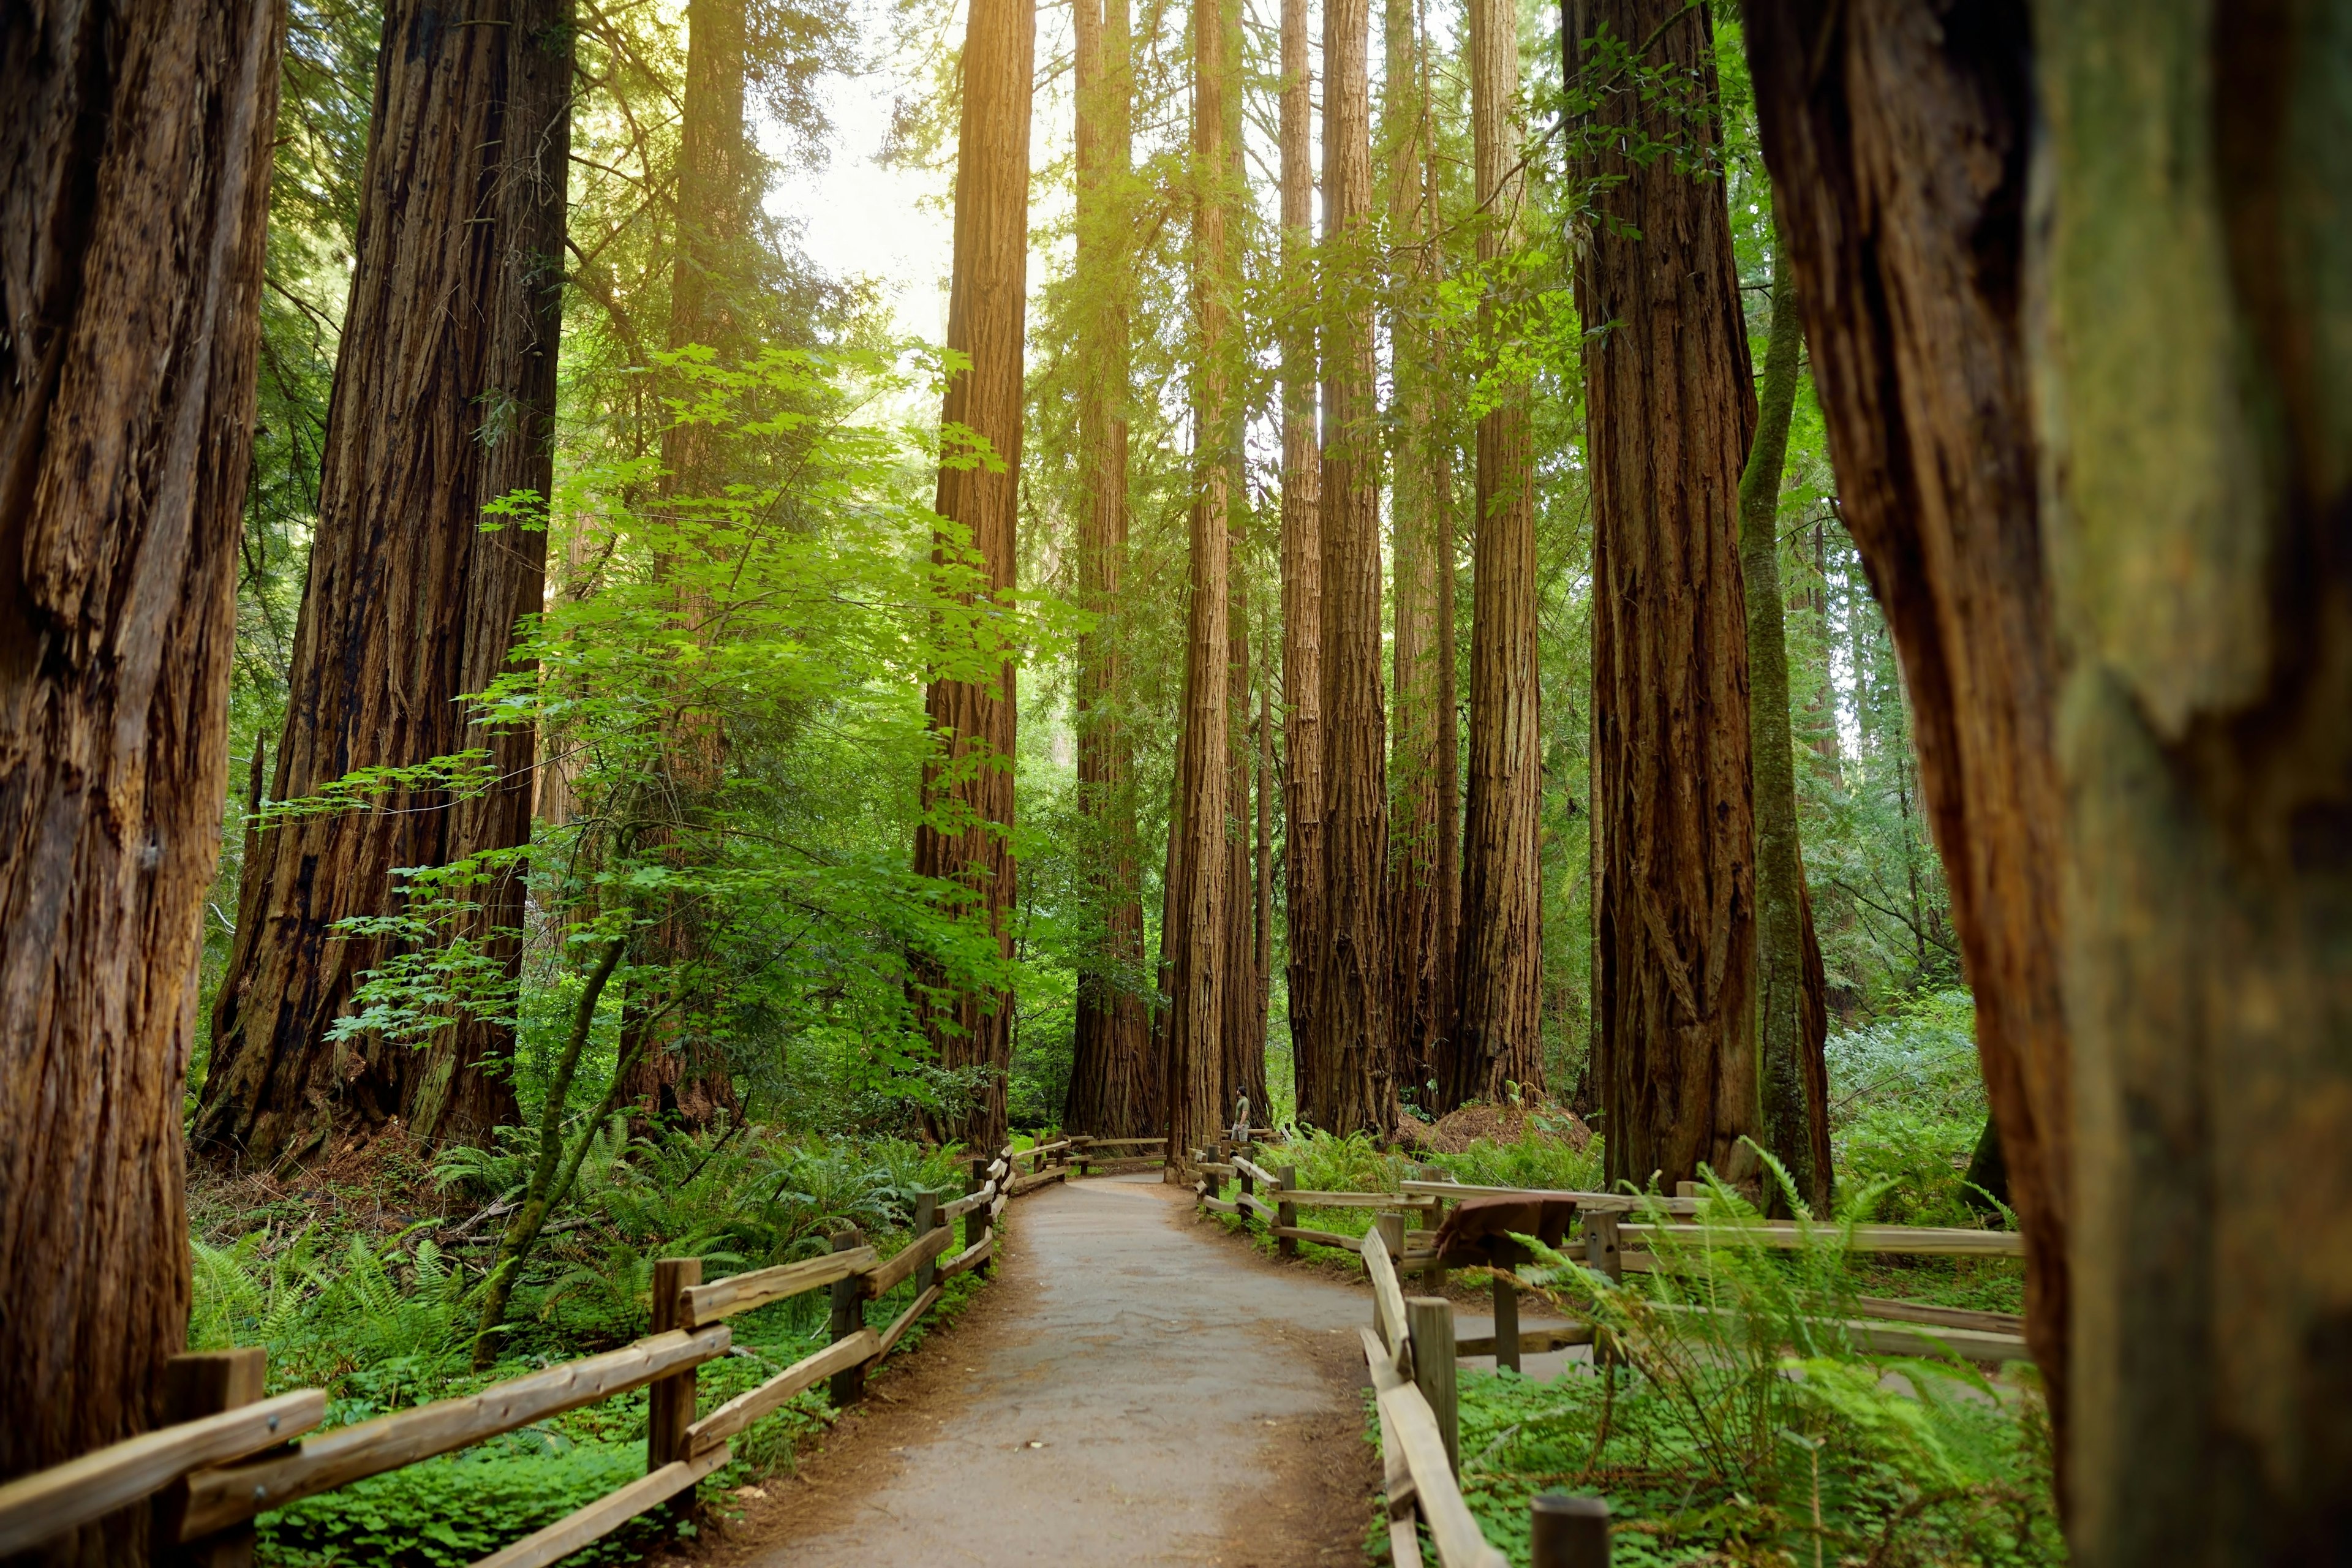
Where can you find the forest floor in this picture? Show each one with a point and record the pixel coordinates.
(1136, 1387)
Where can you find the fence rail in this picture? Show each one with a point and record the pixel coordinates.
(215, 1473)
(1411, 1352)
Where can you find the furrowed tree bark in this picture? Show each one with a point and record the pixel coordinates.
(134, 175)
(1242, 1074)
(444, 391)
(1796, 1112)
(672, 1020)
(1670, 407)
(1112, 1090)
(1896, 137)
(1355, 1087)
(966, 837)
(1302, 572)
(2190, 339)
(1421, 937)
(1499, 1037)
(1197, 938)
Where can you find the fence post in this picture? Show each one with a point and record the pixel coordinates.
(848, 1317)
(1601, 1245)
(670, 1400)
(1429, 1321)
(1391, 1226)
(1566, 1531)
(1507, 1308)
(196, 1385)
(1286, 1213)
(975, 1221)
(927, 1220)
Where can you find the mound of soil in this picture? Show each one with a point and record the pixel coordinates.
(1457, 1130)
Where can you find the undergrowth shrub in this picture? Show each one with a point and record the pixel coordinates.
(381, 1322)
(1907, 1104)
(1745, 1426)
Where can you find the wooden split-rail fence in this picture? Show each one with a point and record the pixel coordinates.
(1411, 1351)
(231, 1455)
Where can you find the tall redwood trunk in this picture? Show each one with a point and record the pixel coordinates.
(1354, 1087)
(1670, 407)
(1498, 1039)
(2187, 334)
(987, 315)
(445, 386)
(1197, 934)
(1113, 1091)
(1898, 150)
(1243, 1036)
(1302, 572)
(134, 174)
(673, 1019)
(1420, 937)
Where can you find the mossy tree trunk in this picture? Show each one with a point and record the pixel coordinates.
(1795, 1078)
(2189, 336)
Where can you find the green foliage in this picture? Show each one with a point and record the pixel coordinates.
(1906, 1103)
(459, 1507)
(1745, 1427)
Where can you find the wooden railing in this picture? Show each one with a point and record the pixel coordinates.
(230, 1459)
(1411, 1351)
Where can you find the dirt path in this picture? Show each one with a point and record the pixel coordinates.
(1135, 1389)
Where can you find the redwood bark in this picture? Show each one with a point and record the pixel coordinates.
(1498, 1038)
(2187, 334)
(1197, 938)
(1302, 574)
(1113, 1090)
(1421, 851)
(1671, 408)
(1243, 1035)
(672, 1020)
(444, 387)
(967, 834)
(1896, 136)
(134, 173)
(1354, 1086)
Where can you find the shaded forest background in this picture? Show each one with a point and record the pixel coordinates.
(822, 1038)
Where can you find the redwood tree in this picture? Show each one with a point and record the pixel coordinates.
(1349, 1084)
(1196, 935)
(1113, 1090)
(1898, 146)
(1497, 1038)
(1670, 409)
(966, 835)
(1302, 571)
(1422, 850)
(134, 170)
(444, 388)
(2187, 333)
(670, 1022)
